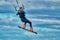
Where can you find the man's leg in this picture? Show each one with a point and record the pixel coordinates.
(24, 26)
(29, 23)
(31, 29)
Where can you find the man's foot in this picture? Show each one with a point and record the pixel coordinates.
(24, 26)
(31, 29)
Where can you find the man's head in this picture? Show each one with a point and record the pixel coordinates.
(21, 9)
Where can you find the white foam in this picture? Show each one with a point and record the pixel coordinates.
(56, 26)
(46, 20)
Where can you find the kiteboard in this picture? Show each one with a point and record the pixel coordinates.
(28, 30)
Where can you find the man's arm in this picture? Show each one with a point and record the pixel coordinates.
(18, 12)
(22, 6)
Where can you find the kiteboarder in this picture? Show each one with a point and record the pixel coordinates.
(21, 14)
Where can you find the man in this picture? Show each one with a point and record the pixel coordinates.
(21, 14)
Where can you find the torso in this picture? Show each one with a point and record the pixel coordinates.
(21, 14)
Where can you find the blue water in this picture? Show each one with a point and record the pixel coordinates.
(45, 23)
